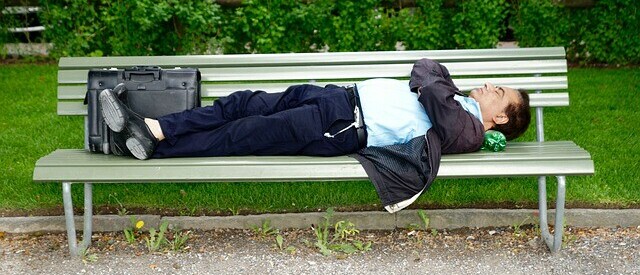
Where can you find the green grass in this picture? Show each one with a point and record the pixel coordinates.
(602, 118)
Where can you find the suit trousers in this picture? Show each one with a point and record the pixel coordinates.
(293, 122)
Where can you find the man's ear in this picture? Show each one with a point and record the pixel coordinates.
(501, 118)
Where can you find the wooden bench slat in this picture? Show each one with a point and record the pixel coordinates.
(548, 100)
(77, 106)
(465, 84)
(336, 72)
(286, 59)
(539, 150)
(71, 108)
(520, 159)
(543, 150)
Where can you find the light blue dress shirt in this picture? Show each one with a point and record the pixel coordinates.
(393, 114)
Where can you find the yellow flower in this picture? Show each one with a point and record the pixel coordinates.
(139, 224)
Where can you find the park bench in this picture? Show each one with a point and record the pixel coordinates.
(533, 69)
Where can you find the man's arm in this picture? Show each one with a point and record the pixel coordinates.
(458, 129)
(425, 69)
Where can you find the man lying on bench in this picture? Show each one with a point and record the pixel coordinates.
(397, 131)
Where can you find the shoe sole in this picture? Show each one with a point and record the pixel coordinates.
(136, 149)
(113, 114)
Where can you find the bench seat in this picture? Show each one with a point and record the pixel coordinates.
(519, 159)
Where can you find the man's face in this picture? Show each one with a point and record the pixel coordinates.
(493, 102)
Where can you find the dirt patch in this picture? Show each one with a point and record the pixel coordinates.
(465, 251)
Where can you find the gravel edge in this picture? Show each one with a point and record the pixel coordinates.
(369, 220)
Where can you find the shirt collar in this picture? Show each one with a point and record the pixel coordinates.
(470, 105)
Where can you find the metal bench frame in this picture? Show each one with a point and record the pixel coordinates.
(227, 64)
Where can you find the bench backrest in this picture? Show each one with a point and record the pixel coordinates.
(533, 69)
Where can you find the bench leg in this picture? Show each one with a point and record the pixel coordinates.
(68, 215)
(553, 242)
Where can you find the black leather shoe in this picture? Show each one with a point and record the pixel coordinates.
(119, 90)
(113, 110)
(141, 142)
(118, 143)
(128, 125)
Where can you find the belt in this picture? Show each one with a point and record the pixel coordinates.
(354, 99)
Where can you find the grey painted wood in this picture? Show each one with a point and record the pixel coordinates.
(77, 106)
(549, 100)
(288, 59)
(337, 72)
(71, 108)
(464, 84)
(520, 159)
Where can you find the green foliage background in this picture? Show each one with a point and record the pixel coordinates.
(121, 27)
(608, 32)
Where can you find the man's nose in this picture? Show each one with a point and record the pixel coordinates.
(489, 86)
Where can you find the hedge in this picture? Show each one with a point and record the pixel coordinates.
(605, 33)
(609, 32)
(121, 27)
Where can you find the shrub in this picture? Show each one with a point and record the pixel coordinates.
(610, 31)
(270, 27)
(142, 27)
(541, 23)
(421, 27)
(355, 25)
(478, 23)
(5, 22)
(606, 33)
(296, 26)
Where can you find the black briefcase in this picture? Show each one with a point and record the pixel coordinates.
(151, 92)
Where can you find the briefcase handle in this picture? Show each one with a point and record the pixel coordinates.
(142, 73)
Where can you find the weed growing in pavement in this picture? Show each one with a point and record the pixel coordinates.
(345, 229)
(88, 257)
(291, 250)
(517, 228)
(425, 219)
(265, 229)
(131, 233)
(416, 230)
(179, 240)
(156, 238)
(342, 239)
(567, 237)
(122, 211)
(536, 229)
(425, 222)
(280, 241)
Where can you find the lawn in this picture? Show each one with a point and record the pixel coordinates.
(602, 118)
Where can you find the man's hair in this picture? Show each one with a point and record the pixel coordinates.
(519, 118)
